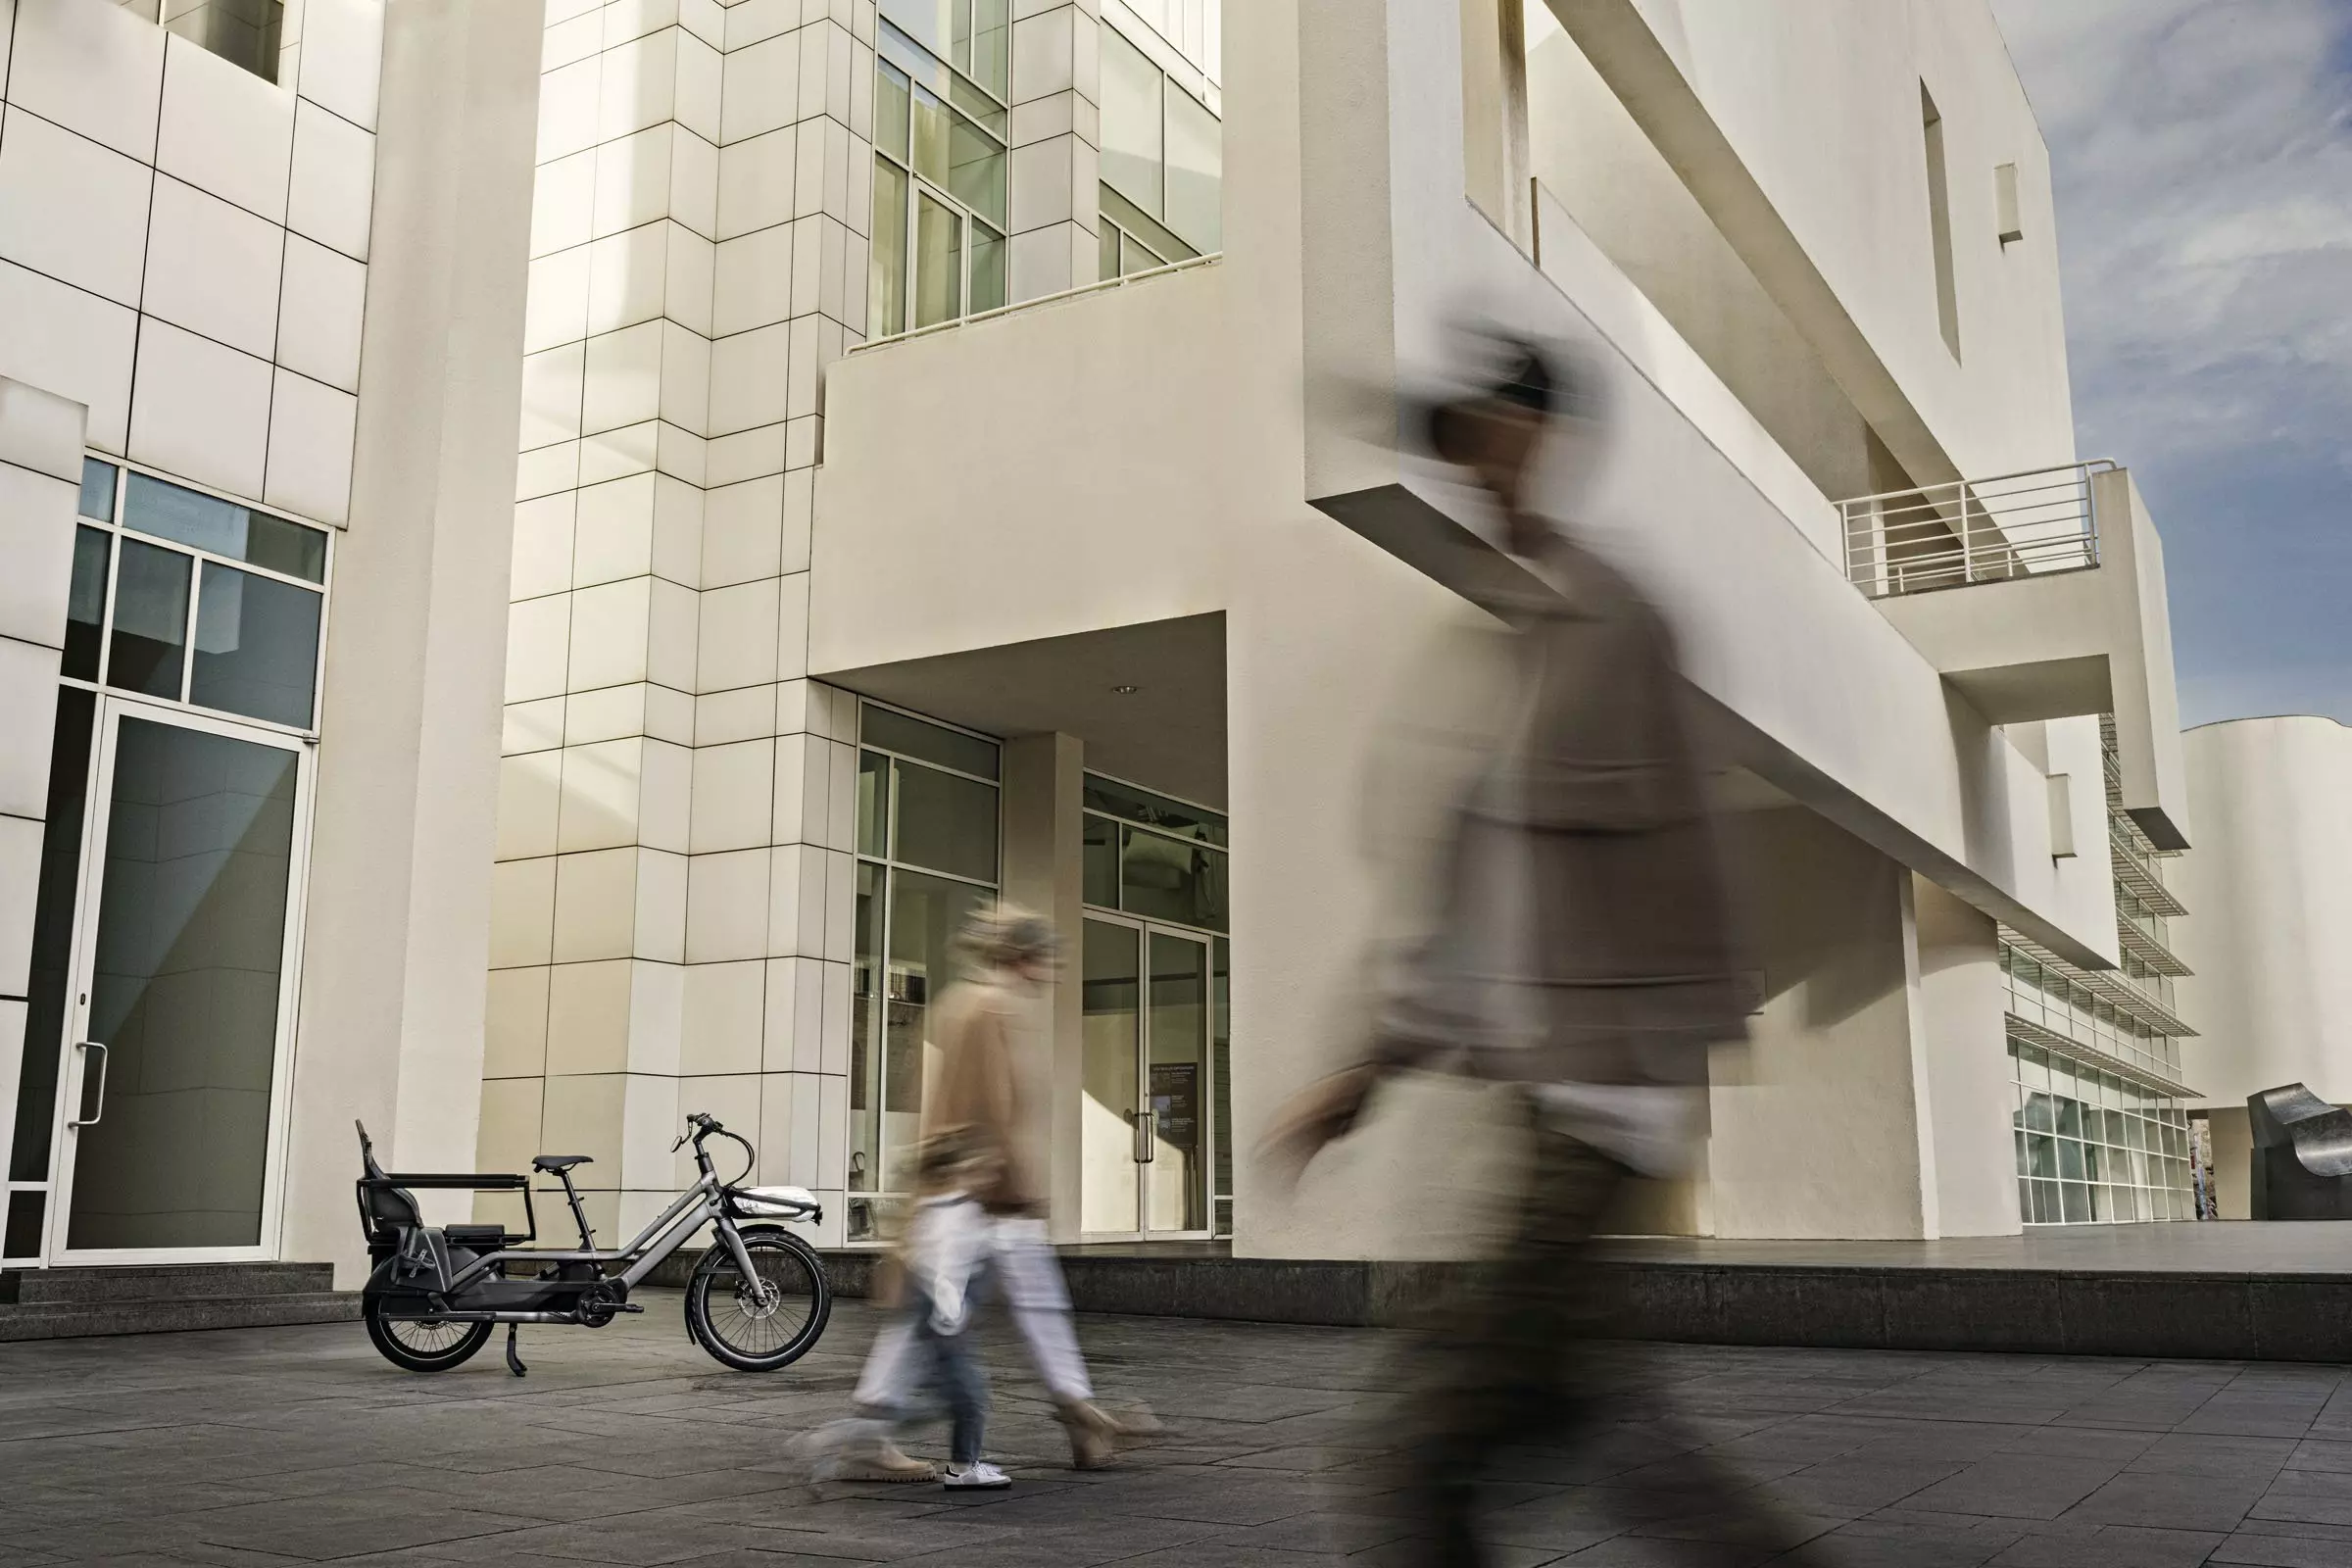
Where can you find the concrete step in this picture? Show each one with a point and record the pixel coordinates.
(52, 1287)
(65, 1320)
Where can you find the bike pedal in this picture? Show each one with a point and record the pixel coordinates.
(628, 1307)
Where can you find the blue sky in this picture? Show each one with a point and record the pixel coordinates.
(2202, 152)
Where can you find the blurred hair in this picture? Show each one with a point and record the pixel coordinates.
(1006, 936)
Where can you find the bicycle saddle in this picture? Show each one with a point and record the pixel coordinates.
(558, 1163)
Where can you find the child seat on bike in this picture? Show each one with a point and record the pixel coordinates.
(395, 1225)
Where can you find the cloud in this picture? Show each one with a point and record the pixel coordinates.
(2202, 151)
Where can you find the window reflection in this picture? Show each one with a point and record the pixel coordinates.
(149, 645)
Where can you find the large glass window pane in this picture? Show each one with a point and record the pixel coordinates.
(976, 169)
(1177, 1034)
(1134, 257)
(910, 736)
(945, 823)
(1169, 815)
(256, 646)
(1110, 1003)
(925, 914)
(85, 603)
(992, 45)
(929, 22)
(938, 263)
(1196, 174)
(1133, 122)
(886, 269)
(151, 620)
(988, 289)
(865, 1054)
(873, 803)
(97, 490)
(890, 108)
(930, 150)
(1099, 864)
(169, 511)
(1165, 879)
(184, 990)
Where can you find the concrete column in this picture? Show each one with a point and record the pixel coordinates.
(1967, 1102)
(1057, 134)
(1044, 871)
(399, 911)
(1818, 1121)
(40, 473)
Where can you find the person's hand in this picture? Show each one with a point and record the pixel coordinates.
(1323, 1110)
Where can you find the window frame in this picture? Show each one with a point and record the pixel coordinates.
(890, 43)
(115, 530)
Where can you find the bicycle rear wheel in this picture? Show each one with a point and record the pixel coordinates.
(422, 1344)
(762, 1323)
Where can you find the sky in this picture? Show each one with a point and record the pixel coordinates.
(2202, 154)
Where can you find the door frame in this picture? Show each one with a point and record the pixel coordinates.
(1206, 940)
(90, 887)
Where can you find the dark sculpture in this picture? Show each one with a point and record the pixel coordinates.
(2302, 1155)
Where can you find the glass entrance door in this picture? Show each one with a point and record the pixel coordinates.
(1144, 1138)
(182, 1005)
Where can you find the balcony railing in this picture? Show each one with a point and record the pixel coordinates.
(1973, 531)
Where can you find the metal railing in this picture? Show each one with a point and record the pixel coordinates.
(1973, 530)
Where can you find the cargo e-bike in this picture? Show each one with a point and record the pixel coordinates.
(756, 1301)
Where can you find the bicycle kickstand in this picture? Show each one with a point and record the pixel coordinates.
(513, 1361)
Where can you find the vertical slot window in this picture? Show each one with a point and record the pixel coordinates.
(1940, 222)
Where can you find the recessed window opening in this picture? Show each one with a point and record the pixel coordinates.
(940, 156)
(1940, 222)
(1162, 165)
(244, 32)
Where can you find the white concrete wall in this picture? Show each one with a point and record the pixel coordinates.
(1821, 102)
(2270, 887)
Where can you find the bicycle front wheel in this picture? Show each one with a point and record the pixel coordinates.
(764, 1322)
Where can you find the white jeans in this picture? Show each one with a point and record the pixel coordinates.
(1030, 1276)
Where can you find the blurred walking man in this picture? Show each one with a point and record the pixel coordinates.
(1582, 950)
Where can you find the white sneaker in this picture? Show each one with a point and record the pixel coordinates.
(979, 1476)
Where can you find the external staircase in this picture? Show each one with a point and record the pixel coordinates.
(58, 1304)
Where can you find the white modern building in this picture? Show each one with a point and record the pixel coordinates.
(2275, 923)
(907, 453)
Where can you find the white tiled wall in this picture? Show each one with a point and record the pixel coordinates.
(182, 244)
(697, 254)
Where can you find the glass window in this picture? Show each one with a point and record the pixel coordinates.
(929, 22)
(1167, 879)
(890, 108)
(256, 646)
(85, 601)
(1195, 174)
(886, 280)
(933, 141)
(865, 1061)
(873, 803)
(910, 736)
(988, 287)
(1100, 863)
(208, 522)
(1135, 258)
(1133, 122)
(938, 263)
(992, 46)
(1164, 812)
(151, 620)
(1106, 248)
(976, 168)
(945, 822)
(97, 490)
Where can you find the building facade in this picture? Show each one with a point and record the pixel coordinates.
(908, 453)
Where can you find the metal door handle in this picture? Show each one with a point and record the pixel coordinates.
(1144, 1151)
(99, 1045)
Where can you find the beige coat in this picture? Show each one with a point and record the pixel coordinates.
(983, 1121)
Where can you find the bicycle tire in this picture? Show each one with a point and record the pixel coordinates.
(735, 1332)
(440, 1356)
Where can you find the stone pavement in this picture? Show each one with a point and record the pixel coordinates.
(628, 1447)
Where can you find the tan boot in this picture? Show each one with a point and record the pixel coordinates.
(1093, 1435)
(879, 1460)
